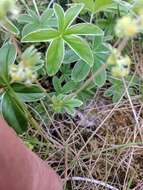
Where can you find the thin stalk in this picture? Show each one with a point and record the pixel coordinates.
(36, 8)
(91, 18)
(50, 4)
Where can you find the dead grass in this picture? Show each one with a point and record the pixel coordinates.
(109, 148)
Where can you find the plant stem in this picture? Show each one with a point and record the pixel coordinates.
(50, 4)
(91, 18)
(36, 8)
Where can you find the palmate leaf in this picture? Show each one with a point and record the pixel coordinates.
(81, 48)
(54, 56)
(66, 34)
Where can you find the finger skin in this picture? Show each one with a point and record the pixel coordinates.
(20, 168)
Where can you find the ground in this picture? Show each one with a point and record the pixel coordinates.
(107, 147)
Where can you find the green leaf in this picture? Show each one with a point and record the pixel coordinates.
(66, 72)
(80, 71)
(57, 84)
(84, 29)
(28, 28)
(54, 57)
(73, 102)
(41, 35)
(117, 89)
(34, 22)
(70, 104)
(63, 103)
(70, 57)
(33, 14)
(70, 110)
(32, 27)
(7, 57)
(81, 48)
(60, 16)
(71, 14)
(109, 91)
(24, 18)
(89, 4)
(69, 87)
(100, 48)
(97, 5)
(99, 79)
(101, 52)
(14, 113)
(28, 93)
(102, 5)
(48, 13)
(8, 25)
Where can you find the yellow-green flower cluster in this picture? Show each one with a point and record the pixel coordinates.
(129, 26)
(25, 70)
(22, 73)
(120, 64)
(126, 27)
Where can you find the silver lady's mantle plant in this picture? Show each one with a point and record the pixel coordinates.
(65, 33)
(75, 50)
